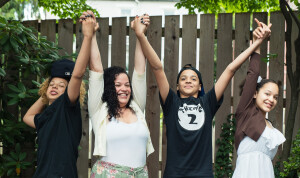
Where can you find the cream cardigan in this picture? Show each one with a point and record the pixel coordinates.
(98, 110)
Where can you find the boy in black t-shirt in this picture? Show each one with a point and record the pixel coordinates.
(188, 114)
(59, 124)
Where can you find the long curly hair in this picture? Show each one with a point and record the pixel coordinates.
(110, 94)
(44, 86)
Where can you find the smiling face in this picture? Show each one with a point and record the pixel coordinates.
(188, 84)
(123, 89)
(57, 87)
(266, 97)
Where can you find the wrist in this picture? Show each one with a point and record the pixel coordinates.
(140, 35)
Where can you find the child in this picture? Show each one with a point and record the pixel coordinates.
(188, 114)
(256, 140)
(59, 124)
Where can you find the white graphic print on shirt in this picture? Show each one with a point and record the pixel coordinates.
(191, 117)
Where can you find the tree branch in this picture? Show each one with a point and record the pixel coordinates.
(292, 14)
(3, 2)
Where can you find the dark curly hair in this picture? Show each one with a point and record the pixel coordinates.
(110, 94)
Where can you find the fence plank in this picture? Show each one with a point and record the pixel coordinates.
(224, 57)
(152, 106)
(48, 29)
(262, 17)
(170, 67)
(189, 39)
(102, 40)
(83, 159)
(65, 36)
(242, 40)
(132, 43)
(118, 48)
(207, 45)
(276, 67)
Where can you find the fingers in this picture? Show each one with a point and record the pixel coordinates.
(258, 22)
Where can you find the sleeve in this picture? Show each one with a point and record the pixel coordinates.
(249, 87)
(166, 107)
(139, 88)
(211, 99)
(96, 88)
(36, 121)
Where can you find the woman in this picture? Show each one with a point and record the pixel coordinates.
(188, 114)
(59, 124)
(256, 140)
(116, 109)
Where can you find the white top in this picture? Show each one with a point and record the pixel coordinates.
(98, 111)
(255, 158)
(126, 143)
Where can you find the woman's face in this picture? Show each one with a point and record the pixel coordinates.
(266, 97)
(123, 89)
(57, 87)
(188, 84)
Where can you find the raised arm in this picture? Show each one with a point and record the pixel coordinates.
(226, 76)
(153, 59)
(83, 58)
(35, 109)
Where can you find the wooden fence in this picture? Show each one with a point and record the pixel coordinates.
(220, 38)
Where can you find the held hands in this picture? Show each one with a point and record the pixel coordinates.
(89, 24)
(140, 24)
(262, 32)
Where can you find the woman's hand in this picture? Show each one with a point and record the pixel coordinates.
(140, 24)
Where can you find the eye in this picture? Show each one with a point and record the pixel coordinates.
(276, 98)
(194, 79)
(127, 85)
(267, 94)
(62, 86)
(182, 78)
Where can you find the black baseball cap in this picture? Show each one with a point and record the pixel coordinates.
(62, 69)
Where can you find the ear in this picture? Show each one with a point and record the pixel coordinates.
(177, 88)
(200, 87)
(255, 95)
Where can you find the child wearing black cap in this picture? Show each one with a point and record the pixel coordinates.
(56, 114)
(189, 113)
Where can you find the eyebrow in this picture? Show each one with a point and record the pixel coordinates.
(190, 76)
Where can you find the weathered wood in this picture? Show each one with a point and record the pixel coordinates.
(65, 36)
(262, 17)
(83, 152)
(118, 46)
(276, 68)
(154, 34)
(48, 29)
(224, 57)
(189, 39)
(132, 43)
(207, 46)
(102, 40)
(242, 41)
(170, 67)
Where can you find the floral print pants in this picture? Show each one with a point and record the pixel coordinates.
(103, 169)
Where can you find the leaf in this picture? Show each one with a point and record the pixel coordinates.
(22, 156)
(22, 95)
(13, 101)
(33, 91)
(12, 95)
(24, 60)
(14, 88)
(14, 44)
(4, 39)
(22, 87)
(36, 83)
(2, 72)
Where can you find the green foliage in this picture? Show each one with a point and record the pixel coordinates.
(67, 8)
(224, 155)
(218, 6)
(292, 166)
(14, 162)
(24, 57)
(14, 9)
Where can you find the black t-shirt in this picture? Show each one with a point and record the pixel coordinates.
(59, 132)
(189, 134)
